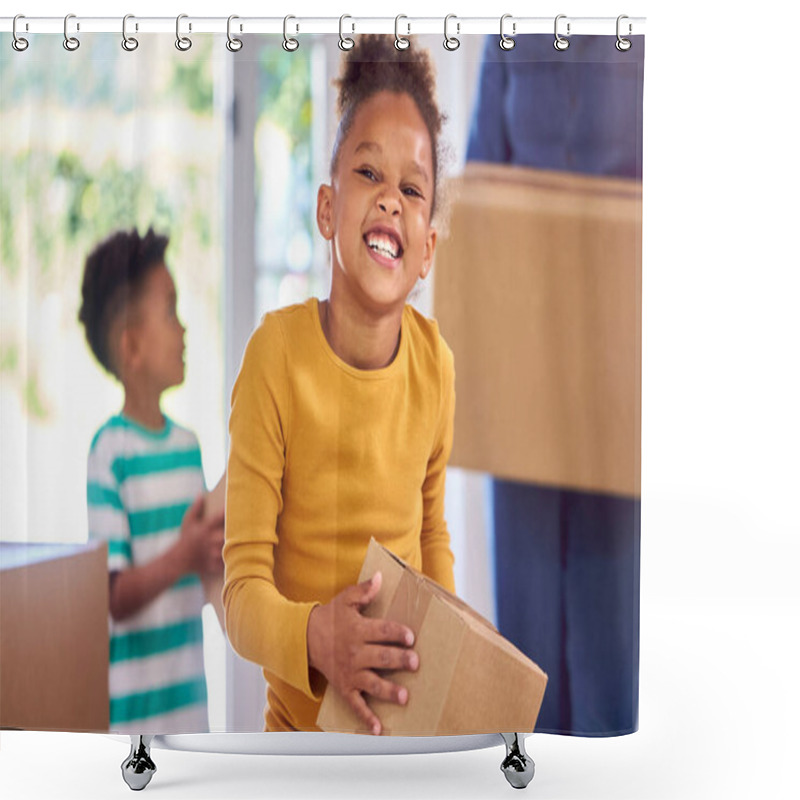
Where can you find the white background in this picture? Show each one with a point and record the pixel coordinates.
(721, 443)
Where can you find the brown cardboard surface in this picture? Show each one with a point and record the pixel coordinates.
(538, 293)
(470, 679)
(54, 638)
(212, 584)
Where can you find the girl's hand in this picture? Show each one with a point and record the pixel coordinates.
(348, 648)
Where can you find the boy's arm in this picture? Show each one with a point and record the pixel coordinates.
(437, 557)
(106, 515)
(263, 626)
(132, 589)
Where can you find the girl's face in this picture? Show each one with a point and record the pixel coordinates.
(377, 211)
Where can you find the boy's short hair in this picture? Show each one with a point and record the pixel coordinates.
(113, 277)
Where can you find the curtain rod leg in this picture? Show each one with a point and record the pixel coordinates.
(517, 766)
(138, 768)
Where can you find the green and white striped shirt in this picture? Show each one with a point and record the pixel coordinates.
(139, 485)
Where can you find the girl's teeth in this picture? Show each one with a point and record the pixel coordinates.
(383, 246)
(384, 250)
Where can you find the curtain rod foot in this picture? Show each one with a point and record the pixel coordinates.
(517, 766)
(138, 768)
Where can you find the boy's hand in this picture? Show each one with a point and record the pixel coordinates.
(348, 649)
(202, 539)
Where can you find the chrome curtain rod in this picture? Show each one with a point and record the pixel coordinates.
(347, 25)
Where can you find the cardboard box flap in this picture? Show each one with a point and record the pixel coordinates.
(379, 559)
(377, 553)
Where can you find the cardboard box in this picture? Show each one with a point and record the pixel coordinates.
(537, 290)
(54, 637)
(212, 584)
(470, 679)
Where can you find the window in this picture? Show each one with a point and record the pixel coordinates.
(290, 262)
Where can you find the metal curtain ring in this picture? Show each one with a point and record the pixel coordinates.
(183, 43)
(450, 42)
(70, 42)
(506, 42)
(401, 42)
(18, 42)
(128, 42)
(623, 45)
(233, 44)
(345, 42)
(561, 43)
(289, 44)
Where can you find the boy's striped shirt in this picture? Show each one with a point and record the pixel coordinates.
(140, 484)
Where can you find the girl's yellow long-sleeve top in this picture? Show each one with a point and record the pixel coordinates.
(324, 456)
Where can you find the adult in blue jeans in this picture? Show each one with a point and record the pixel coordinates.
(567, 561)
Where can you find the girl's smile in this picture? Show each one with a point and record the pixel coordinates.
(385, 245)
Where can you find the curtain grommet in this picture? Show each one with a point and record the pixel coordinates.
(233, 44)
(71, 43)
(401, 42)
(622, 44)
(451, 43)
(129, 43)
(289, 44)
(507, 42)
(182, 43)
(561, 43)
(345, 42)
(19, 43)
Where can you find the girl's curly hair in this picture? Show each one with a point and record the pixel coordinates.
(375, 65)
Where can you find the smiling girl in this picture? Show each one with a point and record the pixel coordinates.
(342, 415)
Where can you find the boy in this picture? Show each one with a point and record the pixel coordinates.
(145, 494)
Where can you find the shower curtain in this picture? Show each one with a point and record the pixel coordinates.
(220, 150)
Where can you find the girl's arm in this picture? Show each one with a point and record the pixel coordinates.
(263, 626)
(286, 637)
(437, 557)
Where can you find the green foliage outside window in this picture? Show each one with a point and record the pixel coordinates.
(61, 194)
